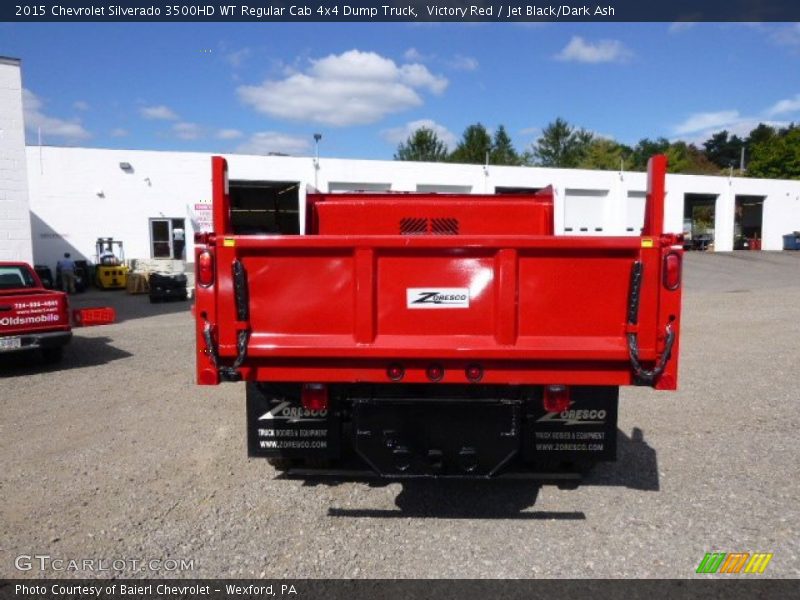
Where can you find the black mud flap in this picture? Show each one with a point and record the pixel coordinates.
(279, 427)
(436, 438)
(585, 433)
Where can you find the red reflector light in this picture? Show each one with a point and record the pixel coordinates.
(556, 398)
(474, 372)
(435, 372)
(205, 268)
(314, 397)
(672, 271)
(395, 372)
(85, 317)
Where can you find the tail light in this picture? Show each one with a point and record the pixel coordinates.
(474, 373)
(314, 397)
(556, 398)
(205, 268)
(395, 372)
(672, 271)
(435, 372)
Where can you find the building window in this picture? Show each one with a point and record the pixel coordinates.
(167, 238)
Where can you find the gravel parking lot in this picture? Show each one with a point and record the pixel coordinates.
(116, 454)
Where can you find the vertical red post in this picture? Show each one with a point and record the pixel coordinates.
(365, 295)
(654, 207)
(506, 273)
(219, 189)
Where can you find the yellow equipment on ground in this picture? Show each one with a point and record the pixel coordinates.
(110, 272)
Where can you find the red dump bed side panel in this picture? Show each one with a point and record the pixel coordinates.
(432, 214)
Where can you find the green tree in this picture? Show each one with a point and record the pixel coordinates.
(474, 145)
(724, 149)
(423, 145)
(605, 154)
(503, 151)
(762, 133)
(561, 145)
(777, 157)
(688, 159)
(645, 149)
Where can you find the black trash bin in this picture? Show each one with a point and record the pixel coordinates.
(45, 275)
(167, 286)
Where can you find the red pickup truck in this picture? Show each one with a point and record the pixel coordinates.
(31, 317)
(436, 335)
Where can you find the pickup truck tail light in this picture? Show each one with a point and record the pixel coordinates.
(314, 397)
(557, 398)
(672, 271)
(205, 268)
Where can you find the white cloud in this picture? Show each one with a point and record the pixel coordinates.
(681, 26)
(603, 51)
(786, 35)
(397, 135)
(353, 88)
(160, 112)
(267, 142)
(36, 120)
(786, 106)
(414, 55)
(119, 132)
(229, 134)
(236, 58)
(458, 62)
(699, 127)
(80, 105)
(707, 120)
(463, 63)
(187, 131)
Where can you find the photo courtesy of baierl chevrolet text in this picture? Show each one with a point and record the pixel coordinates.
(430, 299)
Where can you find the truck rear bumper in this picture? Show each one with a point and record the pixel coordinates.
(402, 431)
(34, 341)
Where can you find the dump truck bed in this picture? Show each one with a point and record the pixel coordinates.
(529, 308)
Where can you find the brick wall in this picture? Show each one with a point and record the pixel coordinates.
(15, 222)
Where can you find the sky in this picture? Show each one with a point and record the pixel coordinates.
(257, 88)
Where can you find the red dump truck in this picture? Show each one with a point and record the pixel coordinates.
(31, 317)
(436, 335)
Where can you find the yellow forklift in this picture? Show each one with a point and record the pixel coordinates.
(110, 272)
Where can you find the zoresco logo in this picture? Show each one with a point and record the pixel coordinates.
(437, 297)
(734, 562)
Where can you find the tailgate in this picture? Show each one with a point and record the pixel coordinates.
(532, 308)
(32, 311)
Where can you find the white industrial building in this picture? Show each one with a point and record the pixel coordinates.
(154, 201)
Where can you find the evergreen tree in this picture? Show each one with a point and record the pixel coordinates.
(474, 146)
(503, 151)
(561, 145)
(424, 146)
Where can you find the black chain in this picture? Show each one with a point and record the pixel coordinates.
(641, 375)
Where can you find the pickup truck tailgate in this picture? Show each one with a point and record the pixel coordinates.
(30, 311)
(526, 299)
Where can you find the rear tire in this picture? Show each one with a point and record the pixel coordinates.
(53, 355)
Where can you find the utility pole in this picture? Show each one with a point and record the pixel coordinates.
(317, 138)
